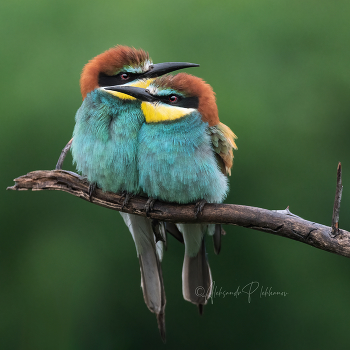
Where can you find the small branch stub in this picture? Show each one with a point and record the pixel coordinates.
(63, 155)
(337, 200)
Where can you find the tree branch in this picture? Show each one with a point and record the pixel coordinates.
(337, 200)
(63, 154)
(279, 222)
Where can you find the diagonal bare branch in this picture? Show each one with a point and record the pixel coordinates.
(281, 222)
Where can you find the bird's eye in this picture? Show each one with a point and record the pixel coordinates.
(173, 98)
(124, 76)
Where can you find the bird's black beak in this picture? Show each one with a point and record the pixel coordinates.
(159, 69)
(137, 92)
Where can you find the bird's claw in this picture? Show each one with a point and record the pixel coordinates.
(127, 196)
(92, 188)
(149, 205)
(198, 209)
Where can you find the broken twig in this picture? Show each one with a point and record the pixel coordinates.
(63, 155)
(337, 200)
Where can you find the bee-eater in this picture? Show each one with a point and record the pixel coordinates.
(185, 155)
(105, 146)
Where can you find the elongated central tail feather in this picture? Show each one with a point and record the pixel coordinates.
(151, 272)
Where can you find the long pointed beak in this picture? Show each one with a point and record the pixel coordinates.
(166, 67)
(137, 92)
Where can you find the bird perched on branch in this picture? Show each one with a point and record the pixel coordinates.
(105, 146)
(184, 156)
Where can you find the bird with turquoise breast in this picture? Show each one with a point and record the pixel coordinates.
(185, 155)
(104, 143)
(105, 147)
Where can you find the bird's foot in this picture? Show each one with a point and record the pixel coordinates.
(198, 209)
(126, 196)
(157, 228)
(92, 189)
(149, 205)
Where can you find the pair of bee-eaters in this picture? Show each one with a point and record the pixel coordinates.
(139, 131)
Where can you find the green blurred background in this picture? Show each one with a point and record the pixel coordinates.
(69, 276)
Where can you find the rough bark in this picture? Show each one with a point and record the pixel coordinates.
(278, 222)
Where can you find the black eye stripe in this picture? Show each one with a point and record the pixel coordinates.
(185, 102)
(111, 80)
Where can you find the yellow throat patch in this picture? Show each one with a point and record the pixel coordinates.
(155, 113)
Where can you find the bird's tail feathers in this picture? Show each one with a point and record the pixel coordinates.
(217, 238)
(149, 254)
(196, 274)
(196, 278)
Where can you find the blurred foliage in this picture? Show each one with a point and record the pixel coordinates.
(68, 269)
